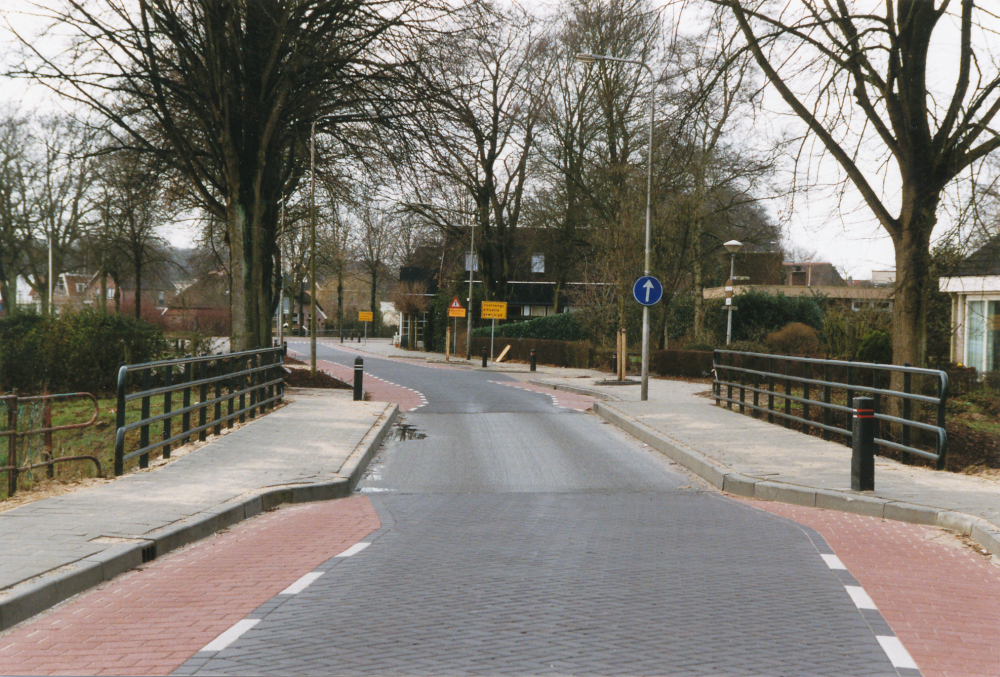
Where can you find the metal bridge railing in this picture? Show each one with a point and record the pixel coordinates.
(233, 377)
(791, 381)
(13, 403)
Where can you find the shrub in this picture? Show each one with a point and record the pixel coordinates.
(843, 330)
(561, 327)
(746, 347)
(555, 353)
(876, 347)
(78, 351)
(681, 362)
(795, 339)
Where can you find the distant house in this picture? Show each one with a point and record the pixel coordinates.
(68, 293)
(203, 306)
(975, 308)
(805, 279)
(157, 293)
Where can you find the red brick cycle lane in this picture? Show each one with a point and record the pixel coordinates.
(149, 621)
(940, 596)
(380, 390)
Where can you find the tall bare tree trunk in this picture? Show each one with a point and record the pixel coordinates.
(239, 303)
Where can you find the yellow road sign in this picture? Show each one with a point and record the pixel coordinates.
(365, 316)
(456, 312)
(494, 310)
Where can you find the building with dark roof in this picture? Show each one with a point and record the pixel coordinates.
(975, 308)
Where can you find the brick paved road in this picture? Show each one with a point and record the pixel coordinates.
(520, 538)
(941, 596)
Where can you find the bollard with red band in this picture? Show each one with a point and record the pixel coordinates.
(863, 445)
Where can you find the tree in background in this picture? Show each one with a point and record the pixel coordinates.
(862, 79)
(224, 93)
(478, 131)
(15, 170)
(131, 210)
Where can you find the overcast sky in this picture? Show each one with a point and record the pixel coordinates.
(838, 229)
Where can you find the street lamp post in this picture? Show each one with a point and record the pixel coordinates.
(468, 314)
(591, 58)
(732, 247)
(312, 251)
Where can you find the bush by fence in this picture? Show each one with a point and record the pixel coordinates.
(78, 351)
(561, 327)
(692, 363)
(554, 353)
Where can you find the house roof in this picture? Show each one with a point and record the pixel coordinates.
(983, 261)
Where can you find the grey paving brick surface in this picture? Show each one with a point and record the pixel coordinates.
(673, 583)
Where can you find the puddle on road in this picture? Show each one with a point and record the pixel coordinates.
(405, 431)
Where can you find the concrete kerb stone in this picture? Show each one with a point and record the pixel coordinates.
(576, 390)
(983, 532)
(33, 596)
(356, 464)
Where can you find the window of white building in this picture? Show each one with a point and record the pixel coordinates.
(538, 263)
(982, 344)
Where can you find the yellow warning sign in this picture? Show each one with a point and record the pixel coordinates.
(494, 310)
(365, 316)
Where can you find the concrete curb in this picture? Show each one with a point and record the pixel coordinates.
(576, 390)
(983, 532)
(26, 599)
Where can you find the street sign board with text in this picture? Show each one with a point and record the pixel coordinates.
(365, 316)
(456, 309)
(494, 310)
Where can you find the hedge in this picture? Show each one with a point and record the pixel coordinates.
(555, 353)
(561, 327)
(78, 351)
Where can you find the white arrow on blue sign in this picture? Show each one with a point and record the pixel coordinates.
(647, 290)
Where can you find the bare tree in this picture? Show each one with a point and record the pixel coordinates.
(376, 241)
(131, 210)
(861, 79)
(15, 172)
(225, 92)
(60, 200)
(479, 131)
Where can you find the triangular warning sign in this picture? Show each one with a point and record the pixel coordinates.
(455, 303)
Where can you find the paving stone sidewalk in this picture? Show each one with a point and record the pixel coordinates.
(312, 449)
(752, 458)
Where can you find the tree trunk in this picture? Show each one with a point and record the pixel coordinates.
(912, 292)
(242, 314)
(340, 300)
(8, 307)
(104, 289)
(138, 289)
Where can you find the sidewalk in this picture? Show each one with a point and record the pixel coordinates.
(315, 448)
(752, 458)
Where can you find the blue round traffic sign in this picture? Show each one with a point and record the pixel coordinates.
(647, 290)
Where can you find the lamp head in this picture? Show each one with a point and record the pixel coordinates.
(733, 246)
(585, 57)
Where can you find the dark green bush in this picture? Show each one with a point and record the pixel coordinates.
(756, 313)
(694, 363)
(555, 353)
(876, 346)
(561, 327)
(79, 351)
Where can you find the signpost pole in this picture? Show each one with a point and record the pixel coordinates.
(492, 330)
(366, 332)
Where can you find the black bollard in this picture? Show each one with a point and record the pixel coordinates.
(484, 358)
(614, 365)
(341, 337)
(359, 374)
(532, 359)
(863, 445)
(284, 348)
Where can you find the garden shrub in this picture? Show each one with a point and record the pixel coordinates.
(561, 327)
(78, 351)
(876, 346)
(554, 353)
(694, 363)
(794, 339)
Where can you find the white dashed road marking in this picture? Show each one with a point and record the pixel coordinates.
(897, 653)
(354, 549)
(301, 584)
(231, 635)
(833, 562)
(860, 597)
